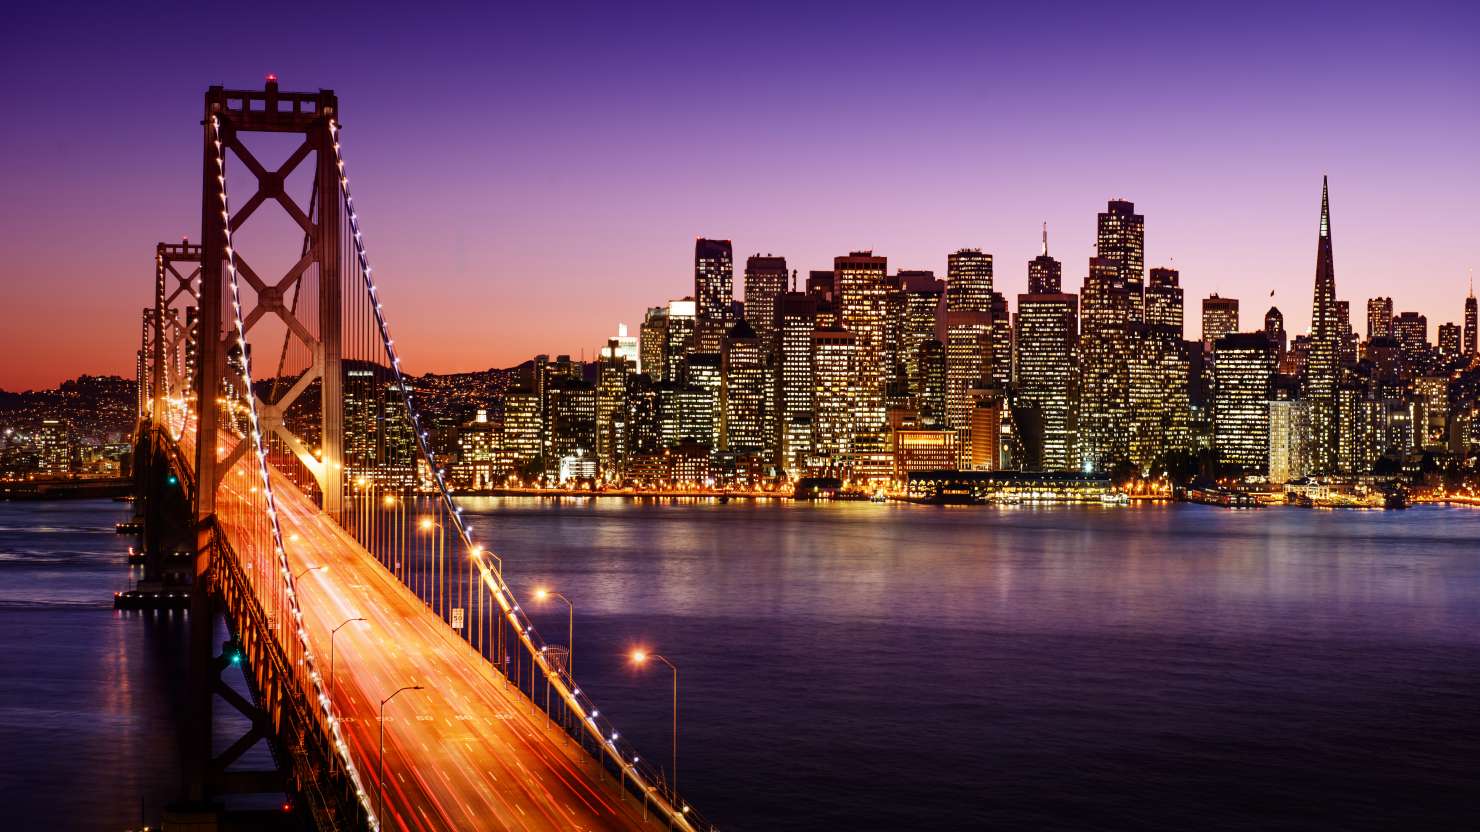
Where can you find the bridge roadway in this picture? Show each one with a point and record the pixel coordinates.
(469, 751)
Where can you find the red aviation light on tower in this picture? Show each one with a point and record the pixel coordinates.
(272, 77)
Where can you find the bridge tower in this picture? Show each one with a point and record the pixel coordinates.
(232, 116)
(239, 114)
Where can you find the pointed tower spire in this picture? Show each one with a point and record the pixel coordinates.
(1045, 242)
(1325, 210)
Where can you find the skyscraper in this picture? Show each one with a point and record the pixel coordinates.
(798, 319)
(1164, 299)
(714, 292)
(1121, 239)
(1470, 320)
(922, 298)
(968, 327)
(678, 338)
(765, 281)
(1274, 330)
(743, 396)
(1323, 365)
(1449, 334)
(1106, 310)
(861, 285)
(1045, 274)
(835, 392)
(1045, 368)
(1219, 318)
(1243, 366)
(1379, 318)
(1412, 331)
(652, 340)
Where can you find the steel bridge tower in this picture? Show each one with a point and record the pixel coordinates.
(230, 117)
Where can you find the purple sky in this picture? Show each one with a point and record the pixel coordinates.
(529, 176)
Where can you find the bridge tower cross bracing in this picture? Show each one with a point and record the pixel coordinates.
(231, 116)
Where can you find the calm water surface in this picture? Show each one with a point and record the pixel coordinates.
(879, 667)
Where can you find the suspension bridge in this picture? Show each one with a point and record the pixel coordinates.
(287, 483)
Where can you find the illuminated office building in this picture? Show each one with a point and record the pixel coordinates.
(1323, 365)
(1243, 370)
(714, 292)
(678, 339)
(861, 285)
(1163, 299)
(798, 320)
(1120, 240)
(1219, 318)
(1045, 374)
(1449, 340)
(1379, 318)
(922, 298)
(1104, 374)
(835, 392)
(766, 280)
(968, 326)
(1274, 330)
(652, 340)
(1470, 321)
(743, 377)
(1289, 440)
(1045, 274)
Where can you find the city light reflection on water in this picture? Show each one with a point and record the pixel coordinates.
(866, 666)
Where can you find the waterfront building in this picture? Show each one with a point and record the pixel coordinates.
(1160, 407)
(714, 292)
(924, 450)
(968, 325)
(835, 394)
(923, 294)
(744, 374)
(986, 427)
(644, 427)
(1120, 239)
(861, 280)
(704, 371)
(1289, 440)
(571, 405)
(478, 444)
(612, 371)
(1104, 374)
(795, 381)
(1219, 318)
(524, 429)
(1045, 376)
(1243, 370)
(933, 380)
(54, 447)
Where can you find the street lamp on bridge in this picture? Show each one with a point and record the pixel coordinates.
(542, 594)
(333, 633)
(380, 779)
(308, 570)
(641, 657)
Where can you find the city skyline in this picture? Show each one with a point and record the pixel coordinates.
(582, 140)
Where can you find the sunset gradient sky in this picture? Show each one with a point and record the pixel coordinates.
(530, 175)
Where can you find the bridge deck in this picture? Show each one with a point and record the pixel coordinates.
(468, 752)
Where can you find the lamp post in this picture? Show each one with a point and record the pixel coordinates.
(640, 657)
(570, 629)
(380, 779)
(333, 633)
